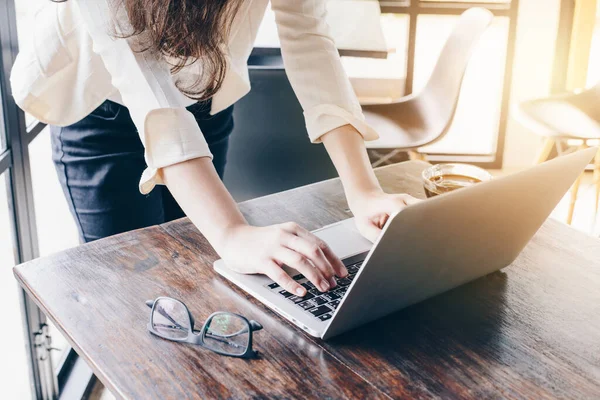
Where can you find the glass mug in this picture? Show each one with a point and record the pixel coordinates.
(444, 178)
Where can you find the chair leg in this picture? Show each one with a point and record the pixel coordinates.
(574, 191)
(544, 152)
(597, 182)
(415, 155)
(383, 159)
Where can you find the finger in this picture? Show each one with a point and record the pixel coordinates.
(370, 231)
(305, 243)
(312, 254)
(278, 275)
(302, 265)
(334, 261)
(380, 221)
(338, 266)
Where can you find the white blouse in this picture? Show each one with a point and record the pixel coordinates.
(76, 61)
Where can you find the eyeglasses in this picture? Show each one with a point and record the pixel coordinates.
(224, 333)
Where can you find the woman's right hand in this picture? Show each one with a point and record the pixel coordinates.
(248, 249)
(264, 250)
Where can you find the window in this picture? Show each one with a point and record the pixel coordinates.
(18, 228)
(469, 1)
(25, 11)
(380, 80)
(2, 144)
(56, 229)
(593, 74)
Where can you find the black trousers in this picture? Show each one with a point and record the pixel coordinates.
(100, 160)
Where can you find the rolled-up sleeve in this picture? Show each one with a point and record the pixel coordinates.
(169, 132)
(314, 69)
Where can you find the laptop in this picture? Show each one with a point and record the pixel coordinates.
(424, 250)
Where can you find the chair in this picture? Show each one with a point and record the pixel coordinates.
(561, 120)
(423, 118)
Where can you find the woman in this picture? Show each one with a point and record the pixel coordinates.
(146, 87)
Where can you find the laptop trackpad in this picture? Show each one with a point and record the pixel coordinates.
(343, 238)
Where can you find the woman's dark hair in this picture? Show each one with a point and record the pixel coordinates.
(185, 31)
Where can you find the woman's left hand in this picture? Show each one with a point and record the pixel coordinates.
(373, 209)
(370, 205)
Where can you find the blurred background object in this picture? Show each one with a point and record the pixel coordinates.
(567, 122)
(425, 116)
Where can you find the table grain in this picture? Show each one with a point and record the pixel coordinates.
(531, 330)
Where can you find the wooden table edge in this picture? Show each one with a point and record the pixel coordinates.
(317, 342)
(106, 381)
(97, 371)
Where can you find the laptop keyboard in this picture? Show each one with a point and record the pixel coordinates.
(318, 304)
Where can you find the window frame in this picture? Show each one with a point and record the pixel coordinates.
(15, 162)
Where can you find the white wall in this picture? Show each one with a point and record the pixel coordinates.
(532, 73)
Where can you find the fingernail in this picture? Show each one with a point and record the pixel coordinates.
(324, 285)
(332, 282)
(344, 272)
(300, 291)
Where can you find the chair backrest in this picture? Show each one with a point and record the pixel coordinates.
(446, 79)
(564, 115)
(439, 98)
(426, 115)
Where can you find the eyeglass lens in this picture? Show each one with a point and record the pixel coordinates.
(170, 319)
(227, 333)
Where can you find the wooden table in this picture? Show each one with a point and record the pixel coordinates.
(530, 331)
(355, 26)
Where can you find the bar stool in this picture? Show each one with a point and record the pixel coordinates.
(566, 122)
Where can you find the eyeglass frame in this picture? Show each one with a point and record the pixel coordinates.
(196, 337)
